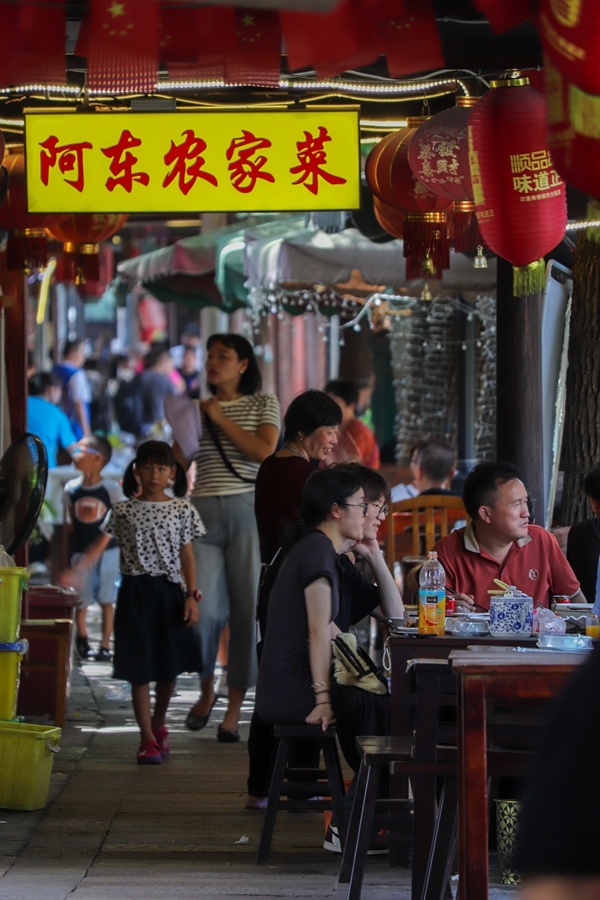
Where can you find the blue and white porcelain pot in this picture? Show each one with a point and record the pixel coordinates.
(511, 613)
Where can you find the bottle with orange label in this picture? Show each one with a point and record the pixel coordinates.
(432, 596)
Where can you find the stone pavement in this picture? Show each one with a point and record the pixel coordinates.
(113, 830)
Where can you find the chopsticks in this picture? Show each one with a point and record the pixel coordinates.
(476, 605)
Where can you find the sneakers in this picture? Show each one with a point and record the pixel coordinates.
(332, 843)
(82, 645)
(332, 840)
(149, 754)
(103, 654)
(162, 739)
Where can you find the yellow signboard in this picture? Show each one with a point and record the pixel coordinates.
(192, 161)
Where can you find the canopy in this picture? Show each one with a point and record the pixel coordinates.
(184, 272)
(313, 257)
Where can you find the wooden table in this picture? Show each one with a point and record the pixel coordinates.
(507, 677)
(421, 719)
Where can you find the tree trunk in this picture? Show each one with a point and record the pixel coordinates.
(581, 444)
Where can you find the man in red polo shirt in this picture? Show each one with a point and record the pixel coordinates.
(500, 543)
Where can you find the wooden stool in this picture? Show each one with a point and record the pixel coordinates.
(370, 814)
(309, 783)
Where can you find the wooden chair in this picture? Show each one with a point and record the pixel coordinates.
(421, 521)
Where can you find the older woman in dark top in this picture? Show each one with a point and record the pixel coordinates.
(311, 425)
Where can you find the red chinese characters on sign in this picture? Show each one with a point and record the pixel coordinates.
(179, 155)
(244, 170)
(313, 156)
(69, 158)
(123, 162)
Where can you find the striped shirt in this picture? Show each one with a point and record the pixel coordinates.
(213, 478)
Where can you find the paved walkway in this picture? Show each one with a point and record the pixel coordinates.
(113, 830)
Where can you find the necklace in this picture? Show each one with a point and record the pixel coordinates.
(293, 450)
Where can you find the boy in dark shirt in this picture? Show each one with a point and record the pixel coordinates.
(87, 500)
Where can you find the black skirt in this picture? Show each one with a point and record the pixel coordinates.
(152, 642)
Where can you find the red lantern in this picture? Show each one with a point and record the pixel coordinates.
(519, 197)
(570, 33)
(388, 174)
(573, 132)
(26, 248)
(439, 158)
(391, 219)
(81, 233)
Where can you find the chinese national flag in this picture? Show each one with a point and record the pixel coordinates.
(198, 41)
(257, 57)
(32, 42)
(411, 39)
(505, 14)
(122, 49)
(345, 38)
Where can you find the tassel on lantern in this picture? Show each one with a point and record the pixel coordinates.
(529, 279)
(465, 230)
(26, 249)
(426, 238)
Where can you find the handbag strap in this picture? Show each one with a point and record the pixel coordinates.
(210, 426)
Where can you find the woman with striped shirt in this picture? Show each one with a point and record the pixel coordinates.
(240, 429)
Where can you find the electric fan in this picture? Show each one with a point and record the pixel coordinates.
(23, 474)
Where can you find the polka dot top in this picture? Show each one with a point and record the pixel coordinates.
(152, 534)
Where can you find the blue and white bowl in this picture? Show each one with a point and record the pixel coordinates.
(511, 613)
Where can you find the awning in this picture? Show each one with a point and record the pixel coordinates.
(313, 257)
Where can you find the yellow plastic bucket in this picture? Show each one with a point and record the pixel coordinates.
(11, 655)
(13, 581)
(26, 754)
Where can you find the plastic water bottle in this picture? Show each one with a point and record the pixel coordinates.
(432, 596)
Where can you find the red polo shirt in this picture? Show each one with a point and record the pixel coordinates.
(535, 564)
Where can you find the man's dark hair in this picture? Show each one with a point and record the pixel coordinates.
(437, 459)
(154, 356)
(592, 483)
(308, 411)
(482, 483)
(72, 346)
(343, 388)
(39, 383)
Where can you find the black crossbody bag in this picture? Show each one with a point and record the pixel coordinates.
(210, 427)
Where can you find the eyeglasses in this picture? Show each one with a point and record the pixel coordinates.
(363, 506)
(381, 510)
(85, 450)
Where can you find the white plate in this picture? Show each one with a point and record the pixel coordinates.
(565, 642)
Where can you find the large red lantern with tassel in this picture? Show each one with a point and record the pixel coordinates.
(425, 229)
(81, 234)
(519, 196)
(26, 247)
(573, 132)
(570, 33)
(439, 158)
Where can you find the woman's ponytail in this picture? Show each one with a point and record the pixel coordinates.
(180, 484)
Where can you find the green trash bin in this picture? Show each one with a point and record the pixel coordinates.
(507, 823)
(13, 581)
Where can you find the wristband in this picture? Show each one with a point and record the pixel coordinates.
(197, 595)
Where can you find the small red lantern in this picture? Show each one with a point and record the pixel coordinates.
(425, 229)
(570, 33)
(519, 196)
(439, 158)
(573, 132)
(26, 247)
(81, 233)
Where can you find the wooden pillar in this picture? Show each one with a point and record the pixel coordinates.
(519, 382)
(15, 347)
